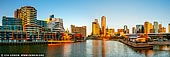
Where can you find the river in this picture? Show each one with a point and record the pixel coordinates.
(90, 48)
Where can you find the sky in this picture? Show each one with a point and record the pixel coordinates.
(83, 12)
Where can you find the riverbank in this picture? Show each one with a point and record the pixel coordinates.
(36, 43)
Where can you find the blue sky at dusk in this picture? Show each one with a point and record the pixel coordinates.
(83, 12)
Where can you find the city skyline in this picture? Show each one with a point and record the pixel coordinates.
(118, 13)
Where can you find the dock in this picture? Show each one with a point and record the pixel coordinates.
(136, 45)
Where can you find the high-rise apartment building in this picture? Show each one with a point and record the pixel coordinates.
(110, 31)
(95, 28)
(133, 29)
(103, 25)
(151, 28)
(126, 30)
(81, 30)
(27, 14)
(147, 27)
(11, 21)
(11, 24)
(139, 29)
(160, 28)
(169, 27)
(42, 23)
(156, 27)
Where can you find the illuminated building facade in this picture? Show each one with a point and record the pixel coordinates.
(27, 14)
(139, 29)
(156, 27)
(110, 31)
(146, 27)
(103, 25)
(95, 28)
(55, 24)
(126, 30)
(169, 27)
(25, 27)
(81, 30)
(133, 29)
(42, 23)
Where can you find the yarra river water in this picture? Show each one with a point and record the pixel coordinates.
(90, 48)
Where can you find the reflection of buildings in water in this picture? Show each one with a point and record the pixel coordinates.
(95, 48)
(78, 50)
(148, 53)
(161, 47)
(67, 50)
(168, 47)
(164, 47)
(103, 48)
(55, 50)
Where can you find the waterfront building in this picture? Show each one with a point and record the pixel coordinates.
(126, 30)
(11, 28)
(21, 36)
(11, 21)
(32, 28)
(11, 24)
(95, 28)
(42, 23)
(151, 28)
(25, 27)
(103, 25)
(163, 30)
(27, 14)
(55, 24)
(110, 31)
(81, 30)
(133, 29)
(160, 28)
(147, 27)
(156, 27)
(120, 31)
(139, 29)
(169, 27)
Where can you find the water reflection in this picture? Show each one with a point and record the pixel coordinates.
(90, 48)
(103, 48)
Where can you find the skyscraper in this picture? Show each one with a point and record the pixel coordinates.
(155, 27)
(103, 25)
(151, 28)
(160, 28)
(169, 27)
(133, 29)
(126, 30)
(95, 28)
(139, 29)
(146, 27)
(28, 14)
